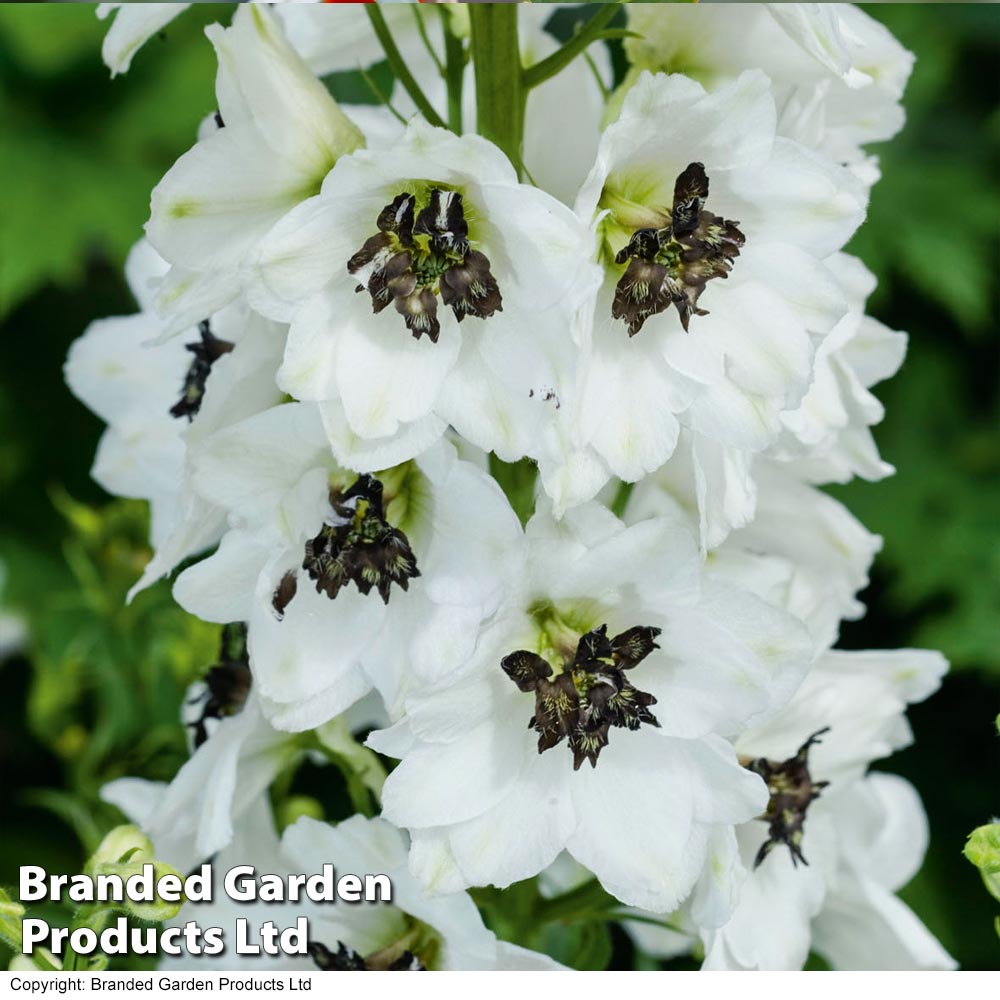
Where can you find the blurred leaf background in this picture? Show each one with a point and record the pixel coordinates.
(96, 693)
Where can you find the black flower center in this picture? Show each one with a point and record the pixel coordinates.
(346, 959)
(409, 263)
(206, 352)
(673, 264)
(355, 543)
(227, 683)
(590, 695)
(792, 791)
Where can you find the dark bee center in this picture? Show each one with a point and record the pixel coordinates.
(417, 256)
(590, 695)
(671, 265)
(355, 543)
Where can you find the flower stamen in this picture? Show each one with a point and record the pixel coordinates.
(672, 264)
(590, 694)
(416, 256)
(792, 791)
(355, 543)
(206, 352)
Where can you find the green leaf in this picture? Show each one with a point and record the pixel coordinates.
(83, 152)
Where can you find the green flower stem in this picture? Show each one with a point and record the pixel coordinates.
(500, 96)
(418, 16)
(11, 915)
(399, 67)
(93, 916)
(578, 44)
(454, 72)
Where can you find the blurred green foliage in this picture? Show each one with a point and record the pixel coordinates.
(83, 151)
(96, 694)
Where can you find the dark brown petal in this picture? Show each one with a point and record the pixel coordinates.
(525, 668)
(362, 546)
(633, 645)
(397, 218)
(394, 270)
(587, 744)
(557, 710)
(206, 352)
(690, 192)
(593, 647)
(344, 959)
(227, 683)
(642, 292)
(470, 288)
(419, 310)
(443, 220)
(371, 250)
(284, 592)
(792, 791)
(644, 244)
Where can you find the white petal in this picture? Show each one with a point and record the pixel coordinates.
(480, 768)
(294, 112)
(636, 832)
(524, 832)
(371, 454)
(864, 926)
(315, 651)
(249, 467)
(206, 214)
(133, 26)
(385, 376)
(221, 587)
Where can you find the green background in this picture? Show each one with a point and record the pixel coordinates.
(96, 694)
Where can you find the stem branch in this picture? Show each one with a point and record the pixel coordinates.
(454, 72)
(563, 56)
(399, 67)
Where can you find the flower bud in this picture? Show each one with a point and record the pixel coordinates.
(983, 850)
(123, 843)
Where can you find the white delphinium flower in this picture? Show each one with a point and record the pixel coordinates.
(838, 73)
(472, 277)
(198, 812)
(332, 570)
(411, 931)
(160, 399)
(236, 755)
(826, 438)
(690, 186)
(802, 550)
(434, 931)
(631, 669)
(281, 133)
(818, 871)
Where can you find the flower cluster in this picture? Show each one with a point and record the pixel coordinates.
(639, 294)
